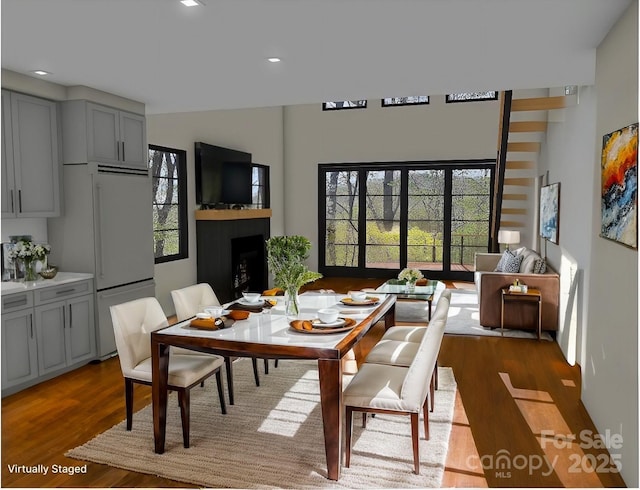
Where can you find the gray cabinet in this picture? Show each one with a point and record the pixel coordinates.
(19, 352)
(97, 133)
(30, 159)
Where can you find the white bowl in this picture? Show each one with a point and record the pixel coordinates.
(358, 295)
(214, 311)
(203, 316)
(328, 315)
(251, 297)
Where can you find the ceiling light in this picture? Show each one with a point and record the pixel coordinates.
(274, 60)
(42, 73)
(191, 3)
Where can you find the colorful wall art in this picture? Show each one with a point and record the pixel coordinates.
(620, 186)
(550, 211)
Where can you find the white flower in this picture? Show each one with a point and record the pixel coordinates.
(27, 250)
(410, 275)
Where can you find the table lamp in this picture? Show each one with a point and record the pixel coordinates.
(508, 237)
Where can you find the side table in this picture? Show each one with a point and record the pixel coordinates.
(532, 295)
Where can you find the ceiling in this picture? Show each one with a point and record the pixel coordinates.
(176, 59)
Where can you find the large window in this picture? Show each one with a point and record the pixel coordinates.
(344, 104)
(376, 219)
(169, 174)
(472, 96)
(260, 196)
(400, 101)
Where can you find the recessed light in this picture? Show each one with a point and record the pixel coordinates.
(274, 60)
(190, 3)
(42, 73)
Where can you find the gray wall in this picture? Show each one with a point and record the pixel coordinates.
(599, 313)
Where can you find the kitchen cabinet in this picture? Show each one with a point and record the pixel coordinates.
(30, 158)
(101, 134)
(19, 352)
(46, 332)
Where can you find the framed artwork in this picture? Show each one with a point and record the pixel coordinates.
(550, 211)
(620, 186)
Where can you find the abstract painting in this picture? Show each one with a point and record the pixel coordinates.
(620, 186)
(550, 211)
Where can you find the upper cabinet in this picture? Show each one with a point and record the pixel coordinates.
(30, 158)
(101, 134)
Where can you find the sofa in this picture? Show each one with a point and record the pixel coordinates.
(521, 315)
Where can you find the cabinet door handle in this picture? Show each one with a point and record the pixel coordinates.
(70, 317)
(117, 150)
(123, 158)
(19, 200)
(98, 224)
(64, 317)
(31, 323)
(13, 304)
(65, 291)
(12, 205)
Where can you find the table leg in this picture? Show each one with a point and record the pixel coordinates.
(390, 317)
(430, 301)
(330, 374)
(539, 318)
(160, 376)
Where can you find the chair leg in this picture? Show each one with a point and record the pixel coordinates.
(128, 401)
(227, 364)
(347, 442)
(414, 437)
(266, 366)
(223, 405)
(275, 363)
(364, 420)
(435, 370)
(432, 391)
(184, 399)
(426, 420)
(255, 370)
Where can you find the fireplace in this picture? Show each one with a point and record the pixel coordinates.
(232, 253)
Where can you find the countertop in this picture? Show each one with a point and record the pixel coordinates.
(11, 287)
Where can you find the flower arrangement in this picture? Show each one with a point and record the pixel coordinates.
(410, 275)
(28, 251)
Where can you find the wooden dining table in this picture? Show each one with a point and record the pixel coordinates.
(269, 335)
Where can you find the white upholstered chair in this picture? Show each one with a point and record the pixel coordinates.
(133, 323)
(190, 300)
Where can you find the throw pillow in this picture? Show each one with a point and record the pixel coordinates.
(540, 266)
(528, 260)
(512, 263)
(507, 255)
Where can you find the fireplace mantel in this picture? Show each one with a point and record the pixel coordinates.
(231, 214)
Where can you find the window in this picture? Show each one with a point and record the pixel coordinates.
(472, 96)
(411, 100)
(169, 175)
(377, 218)
(344, 104)
(260, 186)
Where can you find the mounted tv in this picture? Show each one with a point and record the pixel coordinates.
(223, 176)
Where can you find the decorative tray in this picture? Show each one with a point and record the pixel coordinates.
(308, 326)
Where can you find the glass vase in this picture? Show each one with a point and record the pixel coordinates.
(29, 266)
(292, 305)
(411, 287)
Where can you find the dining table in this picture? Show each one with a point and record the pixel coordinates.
(268, 334)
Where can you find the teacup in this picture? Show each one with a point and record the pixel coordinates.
(357, 295)
(214, 311)
(251, 297)
(328, 315)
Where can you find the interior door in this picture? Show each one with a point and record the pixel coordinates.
(123, 229)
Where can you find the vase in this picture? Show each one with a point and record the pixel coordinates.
(411, 287)
(29, 266)
(292, 305)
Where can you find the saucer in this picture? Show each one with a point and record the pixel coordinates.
(338, 323)
(243, 301)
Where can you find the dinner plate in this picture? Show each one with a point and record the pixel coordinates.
(349, 324)
(369, 300)
(243, 301)
(340, 322)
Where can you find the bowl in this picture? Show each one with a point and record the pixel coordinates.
(328, 315)
(49, 273)
(203, 316)
(358, 295)
(214, 311)
(251, 297)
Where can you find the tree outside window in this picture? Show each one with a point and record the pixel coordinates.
(169, 175)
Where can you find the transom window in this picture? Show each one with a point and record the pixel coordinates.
(169, 178)
(472, 96)
(344, 104)
(410, 100)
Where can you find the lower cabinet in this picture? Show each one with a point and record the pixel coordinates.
(19, 352)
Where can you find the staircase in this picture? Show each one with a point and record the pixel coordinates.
(523, 125)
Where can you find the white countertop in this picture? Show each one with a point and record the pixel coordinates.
(11, 287)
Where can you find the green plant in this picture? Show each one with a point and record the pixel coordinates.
(285, 258)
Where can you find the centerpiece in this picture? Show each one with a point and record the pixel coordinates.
(25, 254)
(410, 276)
(285, 258)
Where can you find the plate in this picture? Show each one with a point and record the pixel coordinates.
(349, 324)
(369, 300)
(340, 322)
(243, 301)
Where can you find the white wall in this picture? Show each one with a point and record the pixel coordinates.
(599, 320)
(257, 131)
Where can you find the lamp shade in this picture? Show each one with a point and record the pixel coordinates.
(508, 236)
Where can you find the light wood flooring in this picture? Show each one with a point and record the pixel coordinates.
(513, 395)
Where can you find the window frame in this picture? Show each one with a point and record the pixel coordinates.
(183, 222)
(476, 99)
(363, 106)
(266, 185)
(404, 104)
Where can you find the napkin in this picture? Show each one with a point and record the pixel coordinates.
(212, 323)
(273, 292)
(252, 308)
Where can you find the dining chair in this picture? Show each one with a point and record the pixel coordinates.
(193, 299)
(133, 323)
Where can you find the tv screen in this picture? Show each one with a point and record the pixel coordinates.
(210, 161)
(236, 183)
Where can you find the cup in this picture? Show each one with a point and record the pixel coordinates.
(328, 315)
(251, 297)
(357, 295)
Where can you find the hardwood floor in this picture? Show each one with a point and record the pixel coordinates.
(514, 395)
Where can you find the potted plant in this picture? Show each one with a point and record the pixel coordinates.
(285, 258)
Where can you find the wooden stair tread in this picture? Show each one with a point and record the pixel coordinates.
(539, 103)
(514, 197)
(519, 181)
(520, 164)
(528, 146)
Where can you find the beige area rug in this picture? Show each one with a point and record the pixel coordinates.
(464, 318)
(272, 438)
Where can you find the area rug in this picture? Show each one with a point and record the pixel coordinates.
(272, 438)
(464, 318)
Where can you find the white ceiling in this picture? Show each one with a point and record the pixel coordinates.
(175, 59)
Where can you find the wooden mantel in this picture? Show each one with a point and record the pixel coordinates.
(231, 214)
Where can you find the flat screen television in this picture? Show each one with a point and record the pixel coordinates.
(223, 175)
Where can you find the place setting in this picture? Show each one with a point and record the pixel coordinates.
(252, 302)
(217, 318)
(360, 298)
(328, 321)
